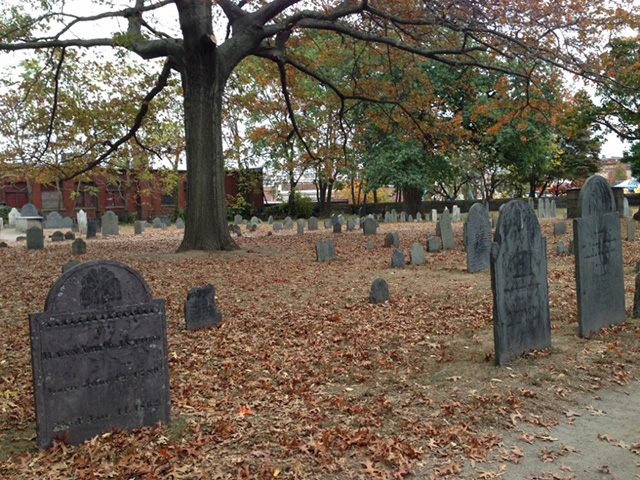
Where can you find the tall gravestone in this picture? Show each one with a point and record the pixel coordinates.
(631, 230)
(313, 224)
(446, 232)
(109, 224)
(81, 218)
(434, 215)
(478, 238)
(301, 224)
(598, 256)
(35, 238)
(99, 354)
(416, 255)
(369, 226)
(397, 258)
(92, 227)
(13, 214)
(325, 250)
(179, 223)
(200, 309)
(519, 283)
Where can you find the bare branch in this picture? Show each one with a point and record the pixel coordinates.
(54, 107)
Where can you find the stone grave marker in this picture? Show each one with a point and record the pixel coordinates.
(165, 220)
(541, 209)
(255, 220)
(394, 216)
(418, 217)
(67, 222)
(403, 216)
(554, 212)
(455, 214)
(137, 227)
(237, 219)
(35, 238)
(110, 224)
(445, 230)
(79, 247)
(313, 224)
(301, 224)
(325, 250)
(559, 228)
(287, 223)
(416, 255)
(235, 228)
(388, 240)
(99, 354)
(337, 228)
(379, 292)
(561, 248)
(521, 320)
(478, 238)
(29, 210)
(70, 264)
(341, 220)
(277, 227)
(179, 223)
(69, 235)
(54, 220)
(350, 225)
(270, 220)
(433, 244)
(334, 219)
(625, 207)
(13, 214)
(327, 223)
(410, 218)
(387, 217)
(157, 223)
(92, 227)
(81, 218)
(252, 227)
(631, 230)
(57, 236)
(397, 259)
(598, 258)
(362, 212)
(636, 299)
(369, 226)
(434, 215)
(531, 203)
(369, 245)
(200, 309)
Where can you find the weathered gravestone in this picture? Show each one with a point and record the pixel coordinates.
(70, 264)
(337, 228)
(350, 225)
(69, 235)
(519, 283)
(559, 228)
(394, 216)
(29, 210)
(446, 232)
(179, 223)
(388, 240)
(287, 223)
(67, 222)
(598, 257)
(35, 238)
(478, 238)
(81, 218)
(561, 248)
(626, 211)
(29, 217)
(327, 223)
(54, 220)
(235, 228)
(301, 225)
(541, 209)
(276, 227)
(57, 236)
(237, 219)
(631, 230)
(369, 226)
(157, 222)
(138, 227)
(418, 217)
(79, 247)
(416, 255)
(554, 211)
(403, 216)
(325, 250)
(99, 354)
(270, 220)
(397, 259)
(200, 309)
(166, 220)
(379, 292)
(13, 214)
(434, 215)
(636, 299)
(369, 245)
(92, 227)
(313, 223)
(433, 244)
(109, 224)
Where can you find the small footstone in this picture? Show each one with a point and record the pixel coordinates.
(379, 291)
(369, 245)
(561, 249)
(559, 228)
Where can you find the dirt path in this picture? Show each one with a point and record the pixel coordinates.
(598, 439)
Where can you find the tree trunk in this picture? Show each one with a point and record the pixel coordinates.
(203, 80)
(412, 200)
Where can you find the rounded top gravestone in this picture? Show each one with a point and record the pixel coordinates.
(520, 220)
(596, 197)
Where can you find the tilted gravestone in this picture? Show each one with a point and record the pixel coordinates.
(598, 257)
(54, 220)
(433, 244)
(200, 309)
(109, 224)
(631, 230)
(313, 224)
(519, 283)
(99, 354)
(369, 226)
(325, 250)
(397, 259)
(35, 238)
(446, 232)
(416, 255)
(478, 238)
(559, 228)
(379, 292)
(79, 247)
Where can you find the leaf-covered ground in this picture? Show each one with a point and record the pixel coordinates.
(304, 379)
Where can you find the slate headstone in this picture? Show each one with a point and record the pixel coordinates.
(29, 210)
(327, 223)
(179, 223)
(313, 224)
(625, 207)
(67, 222)
(434, 215)
(455, 214)
(416, 255)
(350, 225)
(157, 222)
(200, 309)
(433, 244)
(92, 227)
(388, 240)
(521, 319)
(79, 247)
(255, 220)
(394, 216)
(478, 238)
(235, 228)
(598, 258)
(369, 226)
(325, 250)
(379, 292)
(446, 232)
(70, 264)
(35, 238)
(561, 248)
(137, 227)
(397, 259)
(54, 220)
(403, 216)
(270, 220)
(369, 245)
(631, 230)
(237, 219)
(110, 224)
(57, 236)
(559, 228)
(418, 217)
(287, 223)
(301, 225)
(337, 228)
(554, 212)
(69, 235)
(362, 212)
(99, 354)
(334, 219)
(277, 227)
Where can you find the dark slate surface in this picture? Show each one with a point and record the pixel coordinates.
(57, 236)
(313, 223)
(369, 226)
(598, 253)
(478, 238)
(379, 292)
(79, 247)
(200, 309)
(138, 227)
(325, 250)
(70, 264)
(416, 255)
(397, 259)
(388, 240)
(109, 224)
(99, 354)
(35, 238)
(433, 243)
(29, 210)
(559, 228)
(519, 283)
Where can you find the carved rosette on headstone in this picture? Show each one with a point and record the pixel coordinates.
(519, 283)
(478, 238)
(99, 354)
(598, 253)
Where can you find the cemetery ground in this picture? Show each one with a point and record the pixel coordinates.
(305, 379)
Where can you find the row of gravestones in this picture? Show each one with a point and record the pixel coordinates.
(99, 351)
